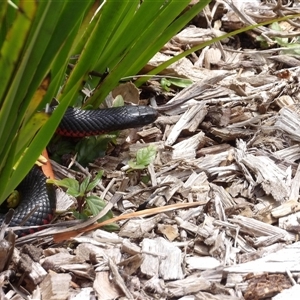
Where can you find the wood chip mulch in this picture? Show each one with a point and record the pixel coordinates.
(219, 215)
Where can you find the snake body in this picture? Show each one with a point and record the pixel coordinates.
(38, 200)
(80, 123)
(38, 197)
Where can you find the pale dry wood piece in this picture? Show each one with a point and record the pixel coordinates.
(276, 262)
(264, 241)
(56, 261)
(12, 295)
(117, 278)
(51, 251)
(136, 228)
(128, 91)
(253, 121)
(187, 148)
(193, 114)
(185, 215)
(258, 80)
(130, 248)
(167, 120)
(190, 227)
(288, 121)
(290, 154)
(213, 94)
(182, 68)
(6, 249)
(195, 89)
(291, 293)
(286, 208)
(284, 163)
(220, 194)
(193, 35)
(92, 239)
(262, 209)
(209, 296)
(257, 228)
(237, 117)
(210, 161)
(285, 100)
(30, 270)
(213, 275)
(4, 276)
(234, 61)
(4, 279)
(85, 270)
(201, 249)
(108, 163)
(131, 264)
(212, 57)
(201, 262)
(84, 294)
(190, 285)
(242, 85)
(232, 133)
(61, 171)
(113, 253)
(152, 174)
(85, 250)
(213, 149)
(135, 286)
(290, 222)
(241, 242)
(168, 168)
(253, 254)
(55, 286)
(273, 180)
(249, 18)
(164, 194)
(285, 158)
(178, 169)
(155, 284)
(169, 231)
(63, 201)
(288, 60)
(207, 231)
(234, 280)
(150, 133)
(198, 185)
(5, 224)
(239, 187)
(161, 258)
(104, 287)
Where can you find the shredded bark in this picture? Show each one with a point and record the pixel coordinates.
(218, 217)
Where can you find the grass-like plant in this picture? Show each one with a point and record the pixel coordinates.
(49, 49)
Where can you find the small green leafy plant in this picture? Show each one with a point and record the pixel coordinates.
(50, 48)
(88, 204)
(144, 157)
(166, 83)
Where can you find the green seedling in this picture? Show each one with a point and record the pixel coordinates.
(144, 157)
(166, 83)
(88, 203)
